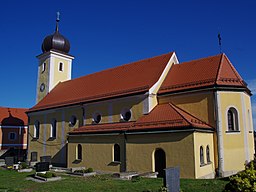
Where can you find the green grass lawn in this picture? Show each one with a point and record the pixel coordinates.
(11, 181)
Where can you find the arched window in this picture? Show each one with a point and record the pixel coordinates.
(201, 155)
(60, 66)
(232, 119)
(36, 129)
(79, 152)
(208, 154)
(116, 152)
(53, 128)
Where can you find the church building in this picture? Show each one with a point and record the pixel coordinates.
(142, 116)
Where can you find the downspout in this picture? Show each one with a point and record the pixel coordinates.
(219, 135)
(27, 138)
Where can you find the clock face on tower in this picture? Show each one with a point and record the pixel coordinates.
(42, 87)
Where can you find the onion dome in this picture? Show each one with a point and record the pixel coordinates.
(56, 41)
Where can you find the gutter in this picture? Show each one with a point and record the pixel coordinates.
(144, 132)
(208, 88)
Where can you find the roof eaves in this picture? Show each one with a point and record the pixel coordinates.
(89, 99)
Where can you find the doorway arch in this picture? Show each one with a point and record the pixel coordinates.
(160, 161)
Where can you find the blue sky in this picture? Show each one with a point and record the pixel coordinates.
(105, 34)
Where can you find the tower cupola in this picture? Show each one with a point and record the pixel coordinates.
(55, 63)
(56, 41)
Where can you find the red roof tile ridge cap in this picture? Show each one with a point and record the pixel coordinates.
(120, 66)
(219, 67)
(176, 107)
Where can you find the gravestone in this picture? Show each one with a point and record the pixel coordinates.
(33, 156)
(46, 159)
(172, 179)
(42, 166)
(9, 161)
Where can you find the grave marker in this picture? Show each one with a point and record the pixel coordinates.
(172, 179)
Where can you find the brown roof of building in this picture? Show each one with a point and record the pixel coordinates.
(210, 71)
(162, 117)
(13, 116)
(123, 80)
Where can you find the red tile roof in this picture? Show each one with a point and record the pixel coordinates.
(162, 117)
(123, 80)
(13, 116)
(210, 71)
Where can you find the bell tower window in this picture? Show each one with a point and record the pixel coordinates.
(43, 67)
(60, 66)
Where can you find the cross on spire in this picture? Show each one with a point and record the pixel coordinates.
(57, 21)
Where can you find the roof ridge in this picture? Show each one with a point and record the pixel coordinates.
(173, 106)
(220, 64)
(176, 107)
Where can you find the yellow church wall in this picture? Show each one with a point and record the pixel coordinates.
(43, 77)
(178, 148)
(45, 145)
(208, 169)
(200, 104)
(97, 152)
(237, 145)
(111, 110)
(60, 75)
(249, 123)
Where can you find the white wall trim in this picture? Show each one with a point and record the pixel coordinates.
(12, 145)
(154, 89)
(246, 131)
(13, 127)
(219, 134)
(51, 74)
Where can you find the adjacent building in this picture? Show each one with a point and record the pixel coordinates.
(142, 116)
(13, 132)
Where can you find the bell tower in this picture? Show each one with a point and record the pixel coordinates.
(54, 64)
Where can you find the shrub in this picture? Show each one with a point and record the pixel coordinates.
(89, 170)
(47, 175)
(244, 181)
(136, 178)
(163, 189)
(23, 165)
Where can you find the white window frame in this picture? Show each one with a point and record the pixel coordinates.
(61, 66)
(53, 126)
(201, 157)
(236, 120)
(79, 152)
(36, 129)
